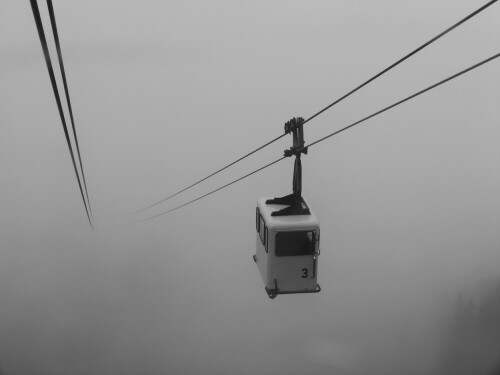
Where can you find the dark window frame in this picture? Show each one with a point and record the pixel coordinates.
(262, 230)
(266, 235)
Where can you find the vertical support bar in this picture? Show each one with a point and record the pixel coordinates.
(297, 179)
(298, 144)
(297, 205)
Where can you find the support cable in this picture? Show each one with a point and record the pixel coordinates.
(334, 133)
(43, 42)
(332, 104)
(66, 90)
(405, 99)
(213, 191)
(213, 174)
(404, 58)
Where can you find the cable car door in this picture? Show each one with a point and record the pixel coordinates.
(295, 265)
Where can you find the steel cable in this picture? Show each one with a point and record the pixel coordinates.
(213, 191)
(334, 133)
(213, 174)
(66, 90)
(404, 58)
(405, 99)
(43, 42)
(330, 105)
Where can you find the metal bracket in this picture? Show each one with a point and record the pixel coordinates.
(296, 206)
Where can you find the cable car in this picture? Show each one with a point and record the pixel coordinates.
(288, 233)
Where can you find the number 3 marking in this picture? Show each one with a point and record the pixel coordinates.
(304, 273)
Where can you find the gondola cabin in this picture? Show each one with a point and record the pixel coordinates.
(287, 250)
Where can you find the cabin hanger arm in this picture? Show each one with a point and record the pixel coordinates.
(295, 202)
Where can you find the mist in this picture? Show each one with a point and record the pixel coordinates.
(165, 93)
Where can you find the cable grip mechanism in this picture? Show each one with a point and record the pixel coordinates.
(295, 202)
(295, 126)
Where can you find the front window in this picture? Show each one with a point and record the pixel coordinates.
(295, 243)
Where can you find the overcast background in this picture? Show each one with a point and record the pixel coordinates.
(165, 92)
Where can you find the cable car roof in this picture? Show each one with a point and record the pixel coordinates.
(293, 222)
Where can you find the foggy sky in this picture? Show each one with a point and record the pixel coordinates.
(166, 92)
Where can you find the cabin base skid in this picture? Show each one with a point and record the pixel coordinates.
(272, 293)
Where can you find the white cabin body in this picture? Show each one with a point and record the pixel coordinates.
(287, 250)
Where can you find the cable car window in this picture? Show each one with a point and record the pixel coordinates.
(295, 243)
(262, 230)
(257, 215)
(267, 239)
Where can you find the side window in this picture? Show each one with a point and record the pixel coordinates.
(257, 218)
(295, 243)
(262, 230)
(266, 234)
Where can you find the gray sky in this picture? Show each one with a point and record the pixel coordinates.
(165, 92)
